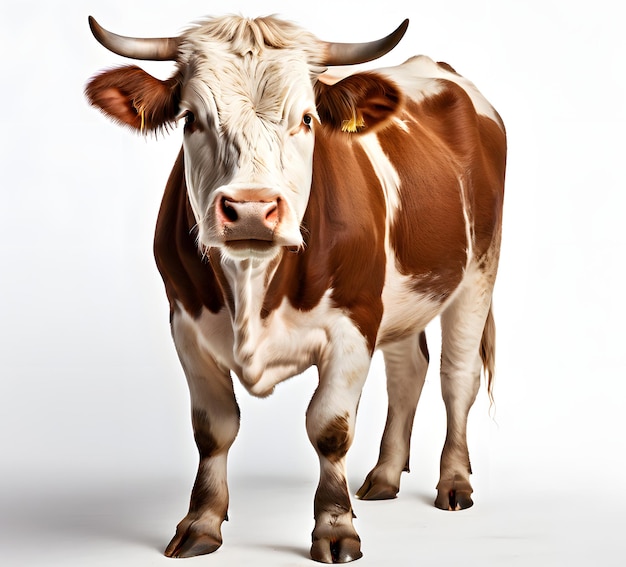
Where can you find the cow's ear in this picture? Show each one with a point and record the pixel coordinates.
(358, 103)
(132, 97)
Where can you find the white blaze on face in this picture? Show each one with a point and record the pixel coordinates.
(249, 131)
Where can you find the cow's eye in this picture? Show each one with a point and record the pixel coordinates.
(307, 120)
(190, 120)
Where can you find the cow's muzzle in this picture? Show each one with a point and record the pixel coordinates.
(248, 220)
(252, 222)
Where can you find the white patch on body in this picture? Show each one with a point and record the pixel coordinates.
(469, 225)
(419, 78)
(264, 352)
(386, 173)
(405, 310)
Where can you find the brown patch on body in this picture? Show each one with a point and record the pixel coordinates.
(428, 235)
(447, 67)
(205, 441)
(343, 228)
(424, 346)
(334, 441)
(332, 496)
(488, 196)
(478, 146)
(188, 278)
(206, 493)
(447, 143)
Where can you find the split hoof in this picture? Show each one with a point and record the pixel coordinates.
(453, 500)
(336, 551)
(191, 543)
(373, 489)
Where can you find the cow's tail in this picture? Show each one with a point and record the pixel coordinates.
(488, 353)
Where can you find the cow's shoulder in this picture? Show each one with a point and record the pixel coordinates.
(344, 235)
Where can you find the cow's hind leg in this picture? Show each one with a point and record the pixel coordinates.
(215, 419)
(406, 363)
(462, 326)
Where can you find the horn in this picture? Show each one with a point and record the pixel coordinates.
(354, 53)
(150, 49)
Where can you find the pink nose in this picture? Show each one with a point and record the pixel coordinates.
(248, 220)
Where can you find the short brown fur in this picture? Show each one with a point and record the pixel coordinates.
(334, 440)
(132, 97)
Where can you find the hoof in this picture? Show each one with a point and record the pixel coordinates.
(190, 543)
(454, 500)
(377, 490)
(339, 551)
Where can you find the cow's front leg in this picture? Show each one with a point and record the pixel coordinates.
(215, 419)
(330, 426)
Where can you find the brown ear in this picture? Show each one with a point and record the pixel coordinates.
(357, 103)
(132, 97)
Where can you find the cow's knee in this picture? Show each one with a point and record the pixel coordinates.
(213, 436)
(333, 440)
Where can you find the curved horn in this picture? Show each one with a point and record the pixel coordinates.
(150, 49)
(354, 53)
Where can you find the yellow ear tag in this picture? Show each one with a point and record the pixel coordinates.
(141, 111)
(355, 124)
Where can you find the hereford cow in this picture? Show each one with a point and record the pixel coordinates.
(310, 221)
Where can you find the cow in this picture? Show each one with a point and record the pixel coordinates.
(309, 221)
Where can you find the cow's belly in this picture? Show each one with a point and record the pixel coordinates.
(406, 309)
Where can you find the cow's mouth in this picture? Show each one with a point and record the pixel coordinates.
(250, 244)
(250, 248)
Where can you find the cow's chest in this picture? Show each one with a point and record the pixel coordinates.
(264, 351)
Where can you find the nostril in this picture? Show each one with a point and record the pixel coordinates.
(228, 210)
(271, 213)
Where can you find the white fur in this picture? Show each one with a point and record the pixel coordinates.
(386, 173)
(405, 310)
(469, 225)
(264, 352)
(419, 78)
(249, 132)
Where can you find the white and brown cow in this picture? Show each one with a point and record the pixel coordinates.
(310, 222)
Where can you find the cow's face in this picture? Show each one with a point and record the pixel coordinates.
(248, 147)
(244, 90)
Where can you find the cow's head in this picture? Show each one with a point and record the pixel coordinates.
(245, 90)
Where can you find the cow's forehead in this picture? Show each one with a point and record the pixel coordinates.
(240, 36)
(241, 67)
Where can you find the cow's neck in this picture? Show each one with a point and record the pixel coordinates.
(247, 283)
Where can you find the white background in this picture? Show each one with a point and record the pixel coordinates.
(96, 451)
